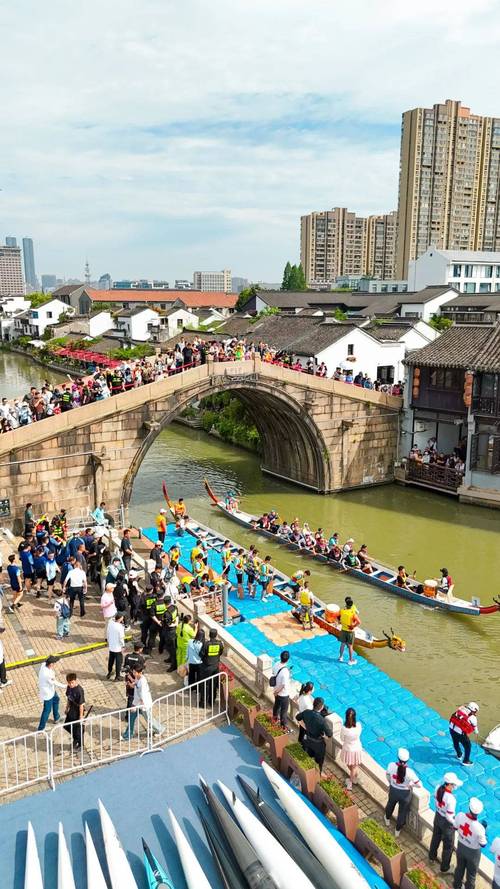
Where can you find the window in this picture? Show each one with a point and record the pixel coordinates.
(468, 271)
(485, 288)
(34, 314)
(49, 314)
(457, 271)
(350, 348)
(446, 378)
(469, 288)
(385, 373)
(487, 271)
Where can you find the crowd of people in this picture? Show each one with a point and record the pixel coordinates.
(430, 456)
(97, 384)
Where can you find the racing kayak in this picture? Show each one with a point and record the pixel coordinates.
(33, 871)
(274, 857)
(95, 876)
(243, 853)
(297, 850)
(382, 575)
(229, 872)
(343, 871)
(120, 872)
(195, 878)
(157, 878)
(65, 878)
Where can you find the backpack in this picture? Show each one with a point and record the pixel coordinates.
(65, 610)
(272, 679)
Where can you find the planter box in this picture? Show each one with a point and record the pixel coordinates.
(276, 744)
(393, 867)
(248, 714)
(308, 777)
(347, 819)
(406, 883)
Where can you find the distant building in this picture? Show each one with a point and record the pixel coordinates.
(11, 242)
(214, 282)
(10, 306)
(381, 245)
(11, 273)
(364, 284)
(239, 284)
(34, 322)
(449, 184)
(49, 283)
(183, 284)
(468, 271)
(29, 264)
(133, 324)
(105, 282)
(139, 284)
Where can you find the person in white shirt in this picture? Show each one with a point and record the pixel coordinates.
(471, 839)
(495, 851)
(281, 688)
(47, 684)
(402, 779)
(351, 745)
(444, 820)
(115, 635)
(4, 682)
(75, 583)
(142, 701)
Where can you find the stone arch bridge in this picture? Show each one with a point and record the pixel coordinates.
(323, 434)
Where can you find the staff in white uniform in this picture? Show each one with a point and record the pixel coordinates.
(401, 780)
(495, 851)
(471, 839)
(444, 820)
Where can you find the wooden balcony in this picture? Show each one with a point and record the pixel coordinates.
(440, 478)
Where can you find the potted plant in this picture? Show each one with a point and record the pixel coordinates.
(242, 704)
(295, 759)
(373, 839)
(265, 731)
(420, 878)
(331, 796)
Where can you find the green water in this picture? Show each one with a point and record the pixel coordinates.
(18, 374)
(450, 659)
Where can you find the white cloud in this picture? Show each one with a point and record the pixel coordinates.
(156, 137)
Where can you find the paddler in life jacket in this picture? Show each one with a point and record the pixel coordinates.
(297, 580)
(239, 565)
(446, 584)
(349, 620)
(444, 820)
(306, 600)
(463, 723)
(179, 508)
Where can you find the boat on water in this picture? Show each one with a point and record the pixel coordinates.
(381, 576)
(325, 616)
(492, 742)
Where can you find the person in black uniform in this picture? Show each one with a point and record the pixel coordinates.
(149, 600)
(74, 710)
(168, 639)
(210, 654)
(157, 624)
(156, 554)
(134, 660)
(317, 729)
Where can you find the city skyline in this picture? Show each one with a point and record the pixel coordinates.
(155, 163)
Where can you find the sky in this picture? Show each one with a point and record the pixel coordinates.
(159, 137)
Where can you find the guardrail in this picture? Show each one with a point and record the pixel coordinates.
(97, 740)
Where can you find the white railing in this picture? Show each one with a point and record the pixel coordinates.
(96, 740)
(24, 761)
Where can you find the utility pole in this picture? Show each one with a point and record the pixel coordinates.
(87, 272)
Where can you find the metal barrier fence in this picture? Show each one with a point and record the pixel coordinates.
(96, 740)
(24, 761)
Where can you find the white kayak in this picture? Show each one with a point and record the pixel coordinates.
(492, 742)
(195, 878)
(95, 876)
(32, 871)
(120, 872)
(65, 878)
(343, 871)
(283, 869)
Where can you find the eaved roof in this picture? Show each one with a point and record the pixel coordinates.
(459, 346)
(302, 335)
(474, 300)
(487, 256)
(66, 289)
(193, 299)
(389, 331)
(134, 310)
(425, 295)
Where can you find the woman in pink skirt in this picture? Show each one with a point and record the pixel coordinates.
(351, 745)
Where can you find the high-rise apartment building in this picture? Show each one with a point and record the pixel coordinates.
(11, 242)
(29, 264)
(449, 182)
(11, 272)
(338, 242)
(49, 283)
(214, 282)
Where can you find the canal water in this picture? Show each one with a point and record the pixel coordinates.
(449, 659)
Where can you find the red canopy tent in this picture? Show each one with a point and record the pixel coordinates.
(88, 357)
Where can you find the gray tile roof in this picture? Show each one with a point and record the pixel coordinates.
(459, 346)
(302, 335)
(388, 331)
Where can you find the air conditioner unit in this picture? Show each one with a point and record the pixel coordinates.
(419, 426)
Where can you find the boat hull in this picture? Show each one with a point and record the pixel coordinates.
(33, 871)
(95, 876)
(195, 878)
(120, 872)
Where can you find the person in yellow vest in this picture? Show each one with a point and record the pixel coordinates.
(174, 555)
(196, 552)
(227, 558)
(161, 525)
(298, 580)
(239, 564)
(266, 574)
(306, 600)
(349, 620)
(179, 508)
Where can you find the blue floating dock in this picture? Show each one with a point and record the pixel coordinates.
(391, 715)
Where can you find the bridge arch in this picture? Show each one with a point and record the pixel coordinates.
(293, 447)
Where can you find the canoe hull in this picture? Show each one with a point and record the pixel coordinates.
(33, 871)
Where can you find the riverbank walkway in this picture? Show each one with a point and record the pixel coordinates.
(391, 715)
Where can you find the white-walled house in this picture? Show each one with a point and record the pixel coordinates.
(10, 307)
(34, 322)
(133, 324)
(426, 303)
(468, 271)
(100, 323)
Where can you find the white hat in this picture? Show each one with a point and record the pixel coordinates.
(473, 706)
(163, 510)
(451, 778)
(403, 754)
(475, 805)
(350, 540)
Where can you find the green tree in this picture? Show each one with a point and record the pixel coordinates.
(339, 315)
(439, 323)
(245, 295)
(286, 277)
(270, 310)
(39, 299)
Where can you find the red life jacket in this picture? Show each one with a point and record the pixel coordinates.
(460, 718)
